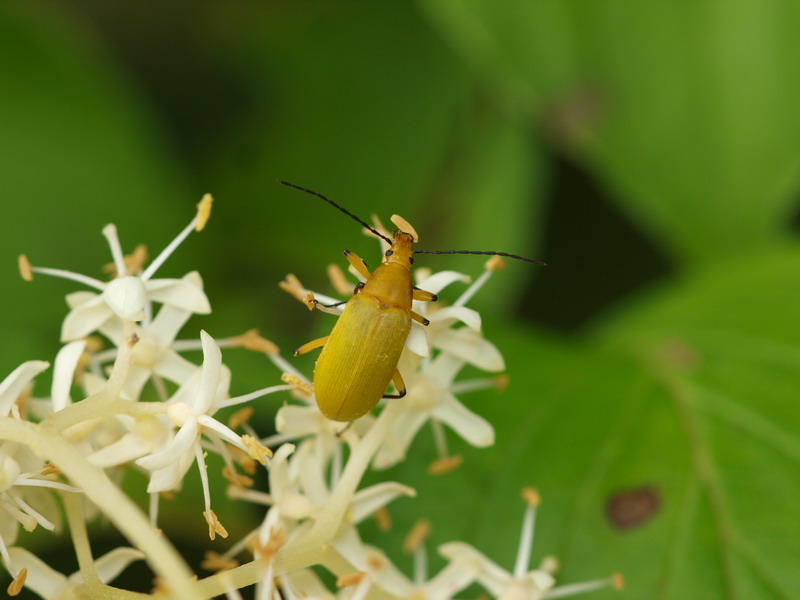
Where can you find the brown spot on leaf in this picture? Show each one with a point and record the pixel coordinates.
(627, 509)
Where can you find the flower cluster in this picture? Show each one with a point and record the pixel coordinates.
(124, 397)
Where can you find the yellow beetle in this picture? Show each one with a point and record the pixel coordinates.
(359, 358)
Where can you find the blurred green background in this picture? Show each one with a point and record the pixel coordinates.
(648, 151)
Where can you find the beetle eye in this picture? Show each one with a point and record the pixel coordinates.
(411, 261)
(389, 252)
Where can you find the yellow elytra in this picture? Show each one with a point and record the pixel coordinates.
(359, 358)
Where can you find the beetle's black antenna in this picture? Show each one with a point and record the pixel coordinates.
(506, 254)
(333, 204)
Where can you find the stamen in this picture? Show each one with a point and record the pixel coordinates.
(200, 457)
(25, 269)
(405, 227)
(153, 509)
(6, 556)
(214, 526)
(292, 286)
(444, 465)
(252, 340)
(384, 519)
(350, 579)
(474, 287)
(417, 536)
(253, 395)
(244, 460)
(376, 222)
(498, 382)
(167, 252)
(136, 260)
(110, 233)
(495, 263)
(236, 493)
(240, 481)
(298, 385)
(617, 581)
(62, 274)
(439, 438)
(256, 450)
(203, 211)
(531, 496)
(286, 367)
(27, 508)
(15, 587)
(215, 561)
(339, 281)
(26, 520)
(550, 564)
(240, 417)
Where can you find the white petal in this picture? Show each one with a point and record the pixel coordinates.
(417, 341)
(299, 420)
(399, 438)
(451, 314)
(209, 379)
(365, 502)
(474, 429)
(92, 383)
(306, 584)
(438, 281)
(179, 445)
(113, 563)
(444, 368)
(311, 473)
(85, 318)
(472, 348)
(279, 469)
(126, 296)
(76, 299)
(13, 385)
(170, 477)
(126, 449)
(457, 575)
(64, 372)
(175, 368)
(42, 579)
(183, 293)
(349, 545)
(491, 576)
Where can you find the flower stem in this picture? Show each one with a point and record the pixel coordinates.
(48, 443)
(312, 547)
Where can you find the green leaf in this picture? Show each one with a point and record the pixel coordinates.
(687, 402)
(78, 150)
(686, 111)
(490, 197)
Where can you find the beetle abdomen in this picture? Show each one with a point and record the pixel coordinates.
(360, 357)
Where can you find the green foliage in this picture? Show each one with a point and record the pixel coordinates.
(450, 112)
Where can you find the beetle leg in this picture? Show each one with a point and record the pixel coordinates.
(358, 263)
(419, 318)
(398, 382)
(312, 345)
(424, 296)
(317, 303)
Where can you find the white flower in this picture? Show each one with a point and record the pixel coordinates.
(49, 583)
(154, 353)
(523, 583)
(128, 296)
(191, 409)
(15, 383)
(23, 498)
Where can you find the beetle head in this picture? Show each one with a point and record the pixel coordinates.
(401, 251)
